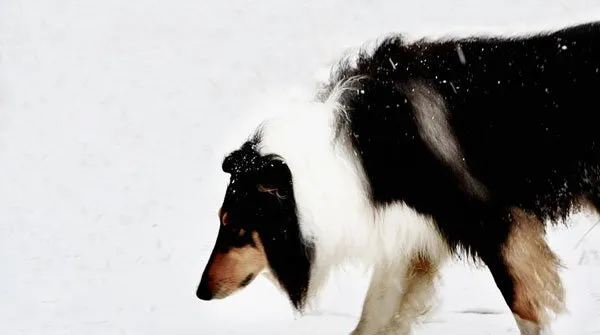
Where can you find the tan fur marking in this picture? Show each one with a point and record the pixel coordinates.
(419, 286)
(534, 267)
(224, 219)
(418, 290)
(270, 190)
(585, 203)
(229, 269)
(420, 265)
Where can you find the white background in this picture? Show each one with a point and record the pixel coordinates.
(112, 120)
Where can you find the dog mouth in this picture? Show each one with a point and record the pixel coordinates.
(225, 291)
(247, 280)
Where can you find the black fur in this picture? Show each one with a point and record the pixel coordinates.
(273, 216)
(523, 109)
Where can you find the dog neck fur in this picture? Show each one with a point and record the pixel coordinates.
(334, 207)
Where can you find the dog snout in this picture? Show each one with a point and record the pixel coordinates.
(204, 292)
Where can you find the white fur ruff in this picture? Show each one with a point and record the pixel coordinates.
(334, 209)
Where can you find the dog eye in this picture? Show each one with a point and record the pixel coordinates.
(238, 232)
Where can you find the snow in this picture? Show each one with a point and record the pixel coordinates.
(114, 116)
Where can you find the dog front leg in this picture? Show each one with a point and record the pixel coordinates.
(381, 302)
(418, 289)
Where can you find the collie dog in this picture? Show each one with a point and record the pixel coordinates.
(412, 153)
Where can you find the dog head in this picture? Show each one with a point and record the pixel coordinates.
(259, 229)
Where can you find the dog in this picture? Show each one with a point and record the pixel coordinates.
(413, 153)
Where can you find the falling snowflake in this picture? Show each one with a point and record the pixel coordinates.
(461, 55)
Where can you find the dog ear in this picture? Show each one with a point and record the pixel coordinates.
(236, 161)
(241, 160)
(228, 163)
(274, 177)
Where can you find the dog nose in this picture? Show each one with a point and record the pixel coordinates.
(203, 292)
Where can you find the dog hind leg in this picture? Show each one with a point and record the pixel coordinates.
(526, 272)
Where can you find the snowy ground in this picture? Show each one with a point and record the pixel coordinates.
(112, 115)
